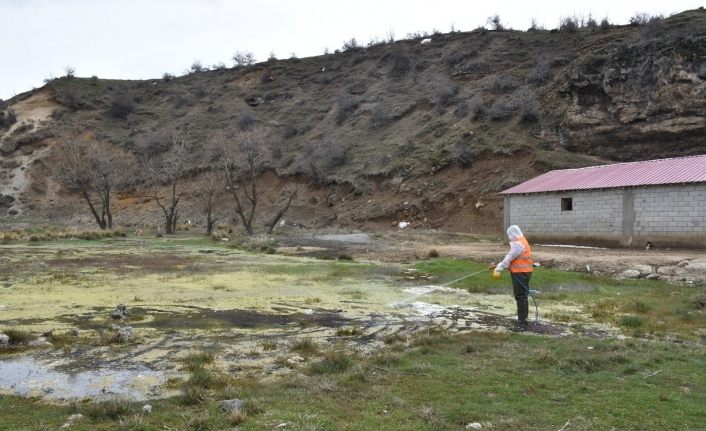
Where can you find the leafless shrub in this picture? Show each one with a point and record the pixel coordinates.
(400, 61)
(199, 90)
(639, 18)
(534, 26)
(652, 28)
(272, 57)
(350, 45)
(245, 120)
(462, 155)
(526, 102)
(476, 107)
(495, 24)
(501, 109)
(541, 72)
(380, 116)
(335, 151)
(605, 24)
(462, 109)
(196, 67)
(167, 77)
(7, 118)
(220, 66)
(69, 72)
(569, 24)
(452, 57)
(591, 22)
(504, 83)
(443, 93)
(121, 104)
(475, 67)
(131, 121)
(346, 106)
(241, 59)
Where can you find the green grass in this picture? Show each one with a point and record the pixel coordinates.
(513, 381)
(661, 308)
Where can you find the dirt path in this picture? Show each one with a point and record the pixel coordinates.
(405, 247)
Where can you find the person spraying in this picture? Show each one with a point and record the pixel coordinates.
(519, 262)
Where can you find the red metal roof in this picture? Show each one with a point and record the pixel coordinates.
(677, 170)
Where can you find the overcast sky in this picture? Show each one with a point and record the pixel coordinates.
(146, 38)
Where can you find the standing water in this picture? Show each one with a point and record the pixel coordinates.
(26, 376)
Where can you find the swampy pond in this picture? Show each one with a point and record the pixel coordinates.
(188, 294)
(143, 319)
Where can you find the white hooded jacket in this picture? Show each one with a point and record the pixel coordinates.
(516, 247)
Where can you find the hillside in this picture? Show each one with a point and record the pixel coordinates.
(422, 131)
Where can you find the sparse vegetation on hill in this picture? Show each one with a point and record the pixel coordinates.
(397, 130)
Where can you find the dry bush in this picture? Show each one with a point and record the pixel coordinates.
(652, 28)
(345, 107)
(495, 24)
(443, 94)
(541, 72)
(121, 104)
(501, 109)
(245, 120)
(196, 67)
(350, 45)
(7, 118)
(569, 24)
(241, 59)
(380, 116)
(400, 61)
(504, 83)
(526, 102)
(640, 18)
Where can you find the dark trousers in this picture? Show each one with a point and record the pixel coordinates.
(520, 287)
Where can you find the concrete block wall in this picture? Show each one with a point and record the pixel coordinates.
(594, 212)
(671, 215)
(670, 211)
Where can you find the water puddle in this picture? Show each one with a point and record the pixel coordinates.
(25, 376)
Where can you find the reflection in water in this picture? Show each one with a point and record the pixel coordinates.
(27, 377)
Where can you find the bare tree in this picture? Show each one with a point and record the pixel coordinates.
(279, 214)
(207, 193)
(168, 169)
(92, 168)
(241, 155)
(241, 59)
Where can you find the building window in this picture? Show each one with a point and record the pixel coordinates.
(567, 204)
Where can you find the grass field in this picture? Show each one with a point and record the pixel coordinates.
(351, 374)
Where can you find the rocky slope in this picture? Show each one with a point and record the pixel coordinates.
(425, 131)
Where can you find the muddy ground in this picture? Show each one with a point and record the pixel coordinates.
(188, 293)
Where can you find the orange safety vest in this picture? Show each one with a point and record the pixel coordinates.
(523, 262)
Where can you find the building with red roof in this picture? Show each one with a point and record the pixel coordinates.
(662, 202)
